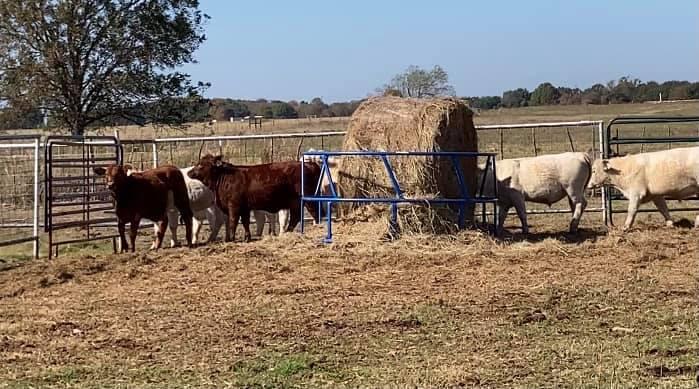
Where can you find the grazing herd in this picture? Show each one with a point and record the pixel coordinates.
(224, 194)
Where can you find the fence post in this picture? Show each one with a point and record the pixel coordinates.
(606, 213)
(36, 197)
(155, 154)
(502, 148)
(570, 139)
(536, 152)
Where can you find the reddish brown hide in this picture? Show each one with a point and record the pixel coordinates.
(148, 195)
(266, 187)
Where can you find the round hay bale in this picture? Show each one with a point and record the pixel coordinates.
(404, 124)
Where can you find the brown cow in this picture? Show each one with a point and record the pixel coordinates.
(148, 195)
(266, 187)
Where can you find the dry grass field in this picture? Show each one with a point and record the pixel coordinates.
(596, 310)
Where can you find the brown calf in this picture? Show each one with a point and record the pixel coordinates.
(267, 187)
(148, 195)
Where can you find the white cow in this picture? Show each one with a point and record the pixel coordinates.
(654, 176)
(278, 222)
(545, 179)
(201, 201)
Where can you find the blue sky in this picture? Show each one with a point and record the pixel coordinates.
(344, 50)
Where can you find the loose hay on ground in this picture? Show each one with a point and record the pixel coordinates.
(427, 311)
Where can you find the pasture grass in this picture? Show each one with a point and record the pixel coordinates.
(597, 310)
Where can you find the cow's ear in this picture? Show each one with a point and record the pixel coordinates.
(100, 171)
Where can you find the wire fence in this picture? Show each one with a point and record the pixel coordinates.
(17, 162)
(20, 191)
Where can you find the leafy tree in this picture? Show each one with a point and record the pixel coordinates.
(418, 82)
(623, 90)
(544, 94)
(648, 91)
(693, 91)
(596, 94)
(484, 102)
(86, 61)
(569, 96)
(515, 98)
(281, 109)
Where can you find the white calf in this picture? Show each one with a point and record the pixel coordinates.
(545, 179)
(653, 176)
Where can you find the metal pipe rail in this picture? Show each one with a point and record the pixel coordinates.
(608, 141)
(455, 157)
(35, 145)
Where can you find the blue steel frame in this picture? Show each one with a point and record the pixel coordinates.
(455, 157)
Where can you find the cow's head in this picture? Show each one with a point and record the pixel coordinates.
(114, 175)
(206, 169)
(601, 174)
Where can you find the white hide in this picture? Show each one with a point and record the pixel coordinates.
(544, 179)
(202, 202)
(653, 176)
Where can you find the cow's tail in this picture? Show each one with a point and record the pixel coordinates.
(588, 163)
(181, 195)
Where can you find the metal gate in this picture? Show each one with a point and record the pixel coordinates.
(76, 202)
(634, 134)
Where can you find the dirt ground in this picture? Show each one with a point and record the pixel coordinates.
(595, 310)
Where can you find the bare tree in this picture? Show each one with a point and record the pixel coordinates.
(87, 61)
(418, 82)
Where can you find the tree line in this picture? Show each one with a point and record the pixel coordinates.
(623, 90)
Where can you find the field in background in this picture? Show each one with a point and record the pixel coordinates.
(496, 116)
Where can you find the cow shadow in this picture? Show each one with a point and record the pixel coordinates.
(583, 235)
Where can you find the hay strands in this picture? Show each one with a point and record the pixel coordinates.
(398, 196)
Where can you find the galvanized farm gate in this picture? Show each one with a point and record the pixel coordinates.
(648, 133)
(75, 198)
(19, 190)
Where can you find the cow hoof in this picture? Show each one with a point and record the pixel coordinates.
(669, 223)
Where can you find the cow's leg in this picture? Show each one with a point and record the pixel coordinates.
(521, 208)
(162, 226)
(233, 215)
(121, 226)
(696, 222)
(227, 238)
(283, 216)
(134, 231)
(181, 203)
(503, 209)
(260, 217)
(578, 203)
(662, 208)
(197, 221)
(172, 221)
(270, 219)
(156, 228)
(245, 219)
(295, 213)
(631, 212)
(214, 219)
(313, 210)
